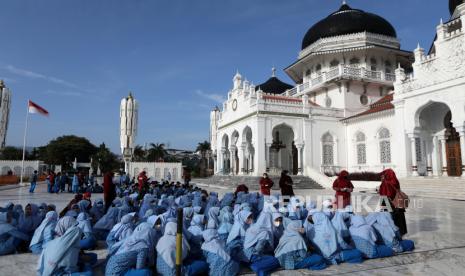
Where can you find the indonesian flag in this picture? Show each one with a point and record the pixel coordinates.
(35, 108)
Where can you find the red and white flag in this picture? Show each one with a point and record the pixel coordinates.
(35, 108)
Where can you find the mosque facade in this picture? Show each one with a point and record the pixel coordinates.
(359, 102)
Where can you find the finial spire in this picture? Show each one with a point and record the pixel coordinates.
(273, 71)
(130, 95)
(344, 2)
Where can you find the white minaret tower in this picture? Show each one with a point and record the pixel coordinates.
(5, 104)
(128, 128)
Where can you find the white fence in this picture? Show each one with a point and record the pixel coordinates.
(15, 167)
(157, 170)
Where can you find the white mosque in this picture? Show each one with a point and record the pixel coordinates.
(359, 102)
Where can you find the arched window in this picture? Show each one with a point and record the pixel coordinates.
(388, 67)
(17, 170)
(354, 62)
(360, 141)
(384, 137)
(334, 63)
(373, 64)
(328, 149)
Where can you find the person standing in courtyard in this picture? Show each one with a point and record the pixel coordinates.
(75, 185)
(142, 181)
(265, 184)
(343, 187)
(389, 188)
(109, 190)
(285, 183)
(33, 182)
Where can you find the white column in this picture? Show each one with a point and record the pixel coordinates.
(215, 163)
(442, 139)
(429, 159)
(413, 150)
(221, 158)
(232, 158)
(299, 159)
(437, 166)
(241, 156)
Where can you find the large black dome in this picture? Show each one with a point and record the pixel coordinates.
(347, 21)
(453, 4)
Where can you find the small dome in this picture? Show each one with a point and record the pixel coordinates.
(274, 86)
(453, 4)
(348, 21)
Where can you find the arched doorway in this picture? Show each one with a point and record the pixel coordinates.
(283, 152)
(435, 145)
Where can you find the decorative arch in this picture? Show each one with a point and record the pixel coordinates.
(328, 149)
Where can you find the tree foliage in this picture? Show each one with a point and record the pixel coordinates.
(104, 158)
(156, 152)
(11, 153)
(63, 150)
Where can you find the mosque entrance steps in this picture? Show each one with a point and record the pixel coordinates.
(231, 182)
(441, 187)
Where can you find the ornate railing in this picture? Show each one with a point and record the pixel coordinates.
(342, 71)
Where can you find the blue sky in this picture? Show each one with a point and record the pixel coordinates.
(79, 58)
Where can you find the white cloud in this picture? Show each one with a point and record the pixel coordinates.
(213, 97)
(35, 75)
(63, 93)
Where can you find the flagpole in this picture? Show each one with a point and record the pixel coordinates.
(24, 144)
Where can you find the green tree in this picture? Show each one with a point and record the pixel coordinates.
(139, 154)
(63, 150)
(104, 158)
(156, 152)
(203, 148)
(11, 153)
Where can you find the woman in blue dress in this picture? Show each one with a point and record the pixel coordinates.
(10, 236)
(121, 230)
(29, 220)
(88, 240)
(259, 245)
(388, 233)
(219, 261)
(136, 255)
(106, 223)
(326, 242)
(63, 255)
(195, 234)
(364, 237)
(292, 251)
(226, 222)
(166, 255)
(44, 233)
(236, 237)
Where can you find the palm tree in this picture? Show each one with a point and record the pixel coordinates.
(203, 148)
(139, 154)
(156, 152)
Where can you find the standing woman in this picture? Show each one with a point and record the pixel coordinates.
(389, 187)
(285, 183)
(109, 191)
(265, 185)
(343, 187)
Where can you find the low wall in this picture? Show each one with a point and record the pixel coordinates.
(157, 170)
(9, 179)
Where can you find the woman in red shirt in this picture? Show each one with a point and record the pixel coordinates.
(389, 187)
(265, 184)
(343, 188)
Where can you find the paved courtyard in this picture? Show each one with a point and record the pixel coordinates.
(436, 225)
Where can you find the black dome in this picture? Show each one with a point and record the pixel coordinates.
(274, 86)
(348, 21)
(453, 4)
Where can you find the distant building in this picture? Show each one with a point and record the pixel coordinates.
(5, 104)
